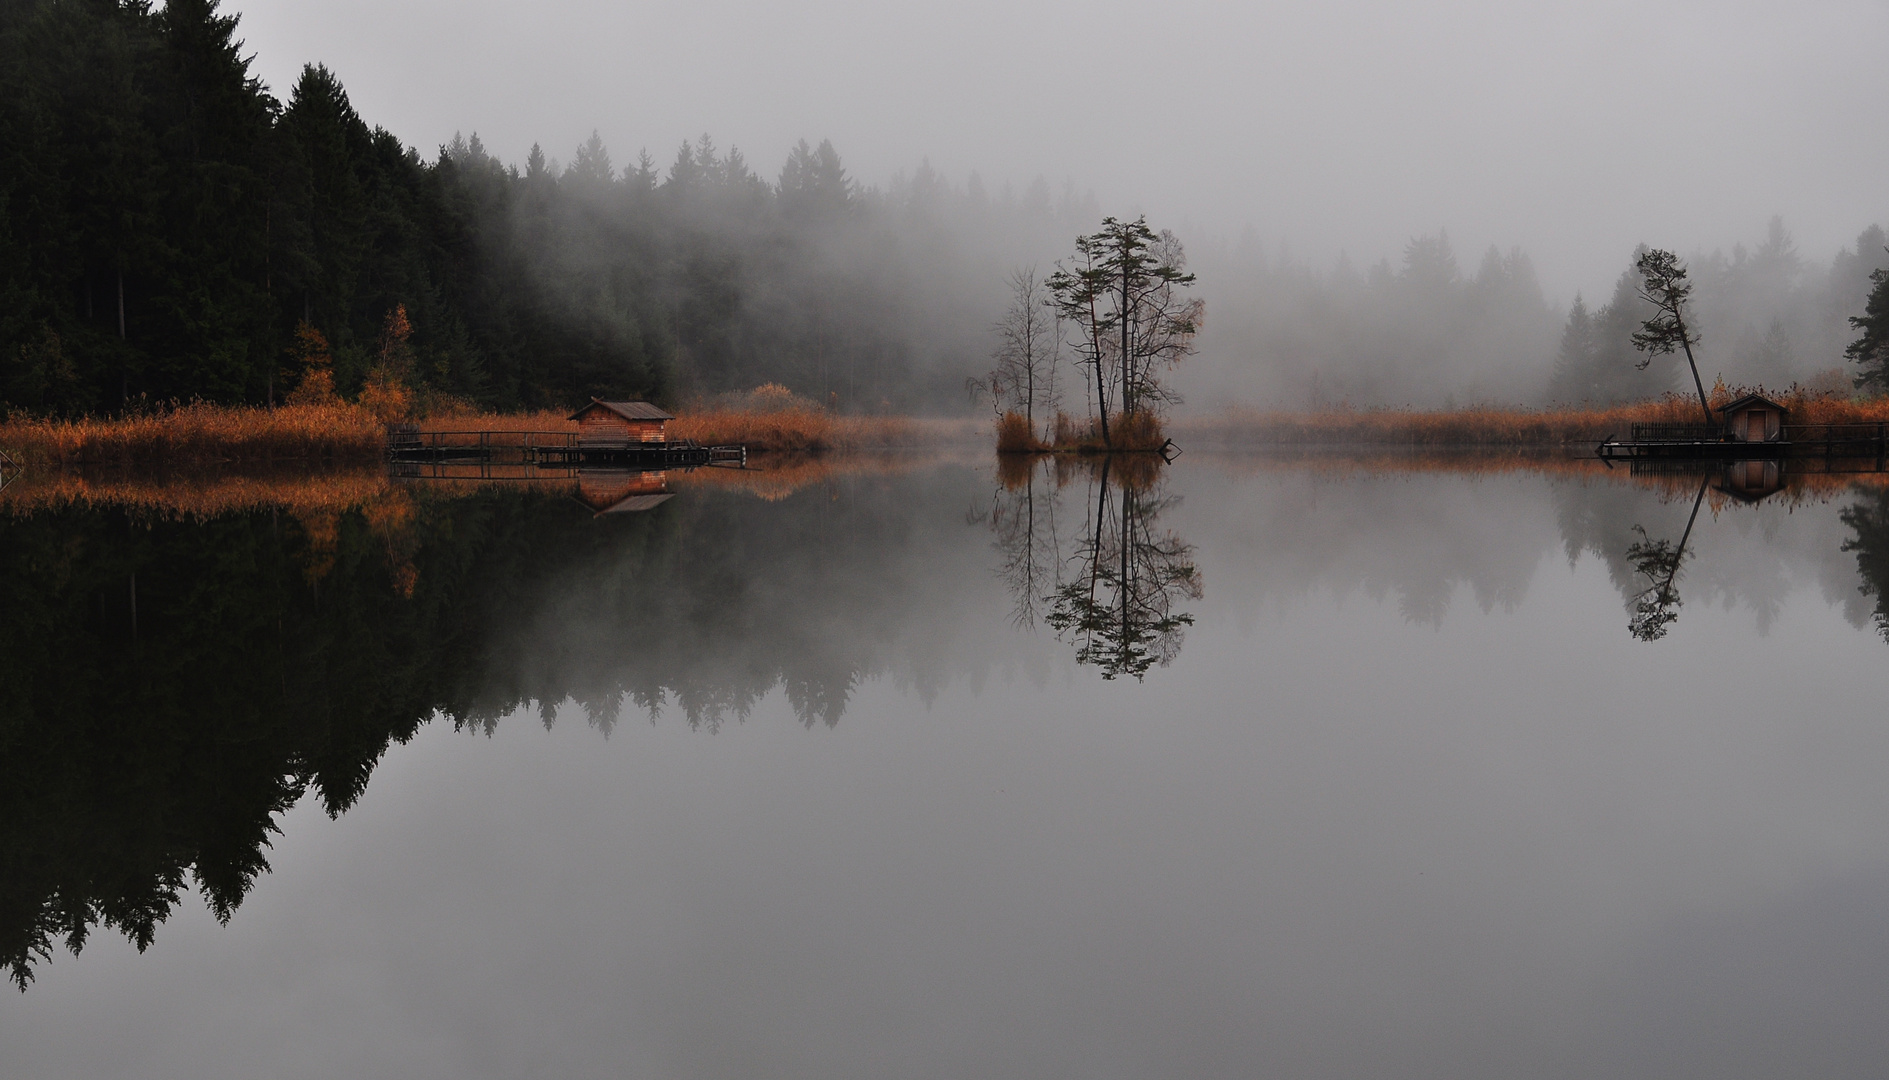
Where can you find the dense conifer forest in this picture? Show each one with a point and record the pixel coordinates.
(166, 223)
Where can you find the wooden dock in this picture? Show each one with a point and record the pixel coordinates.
(1711, 442)
(551, 450)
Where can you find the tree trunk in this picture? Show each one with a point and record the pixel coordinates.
(1101, 384)
(124, 370)
(1698, 383)
(1127, 403)
(1029, 371)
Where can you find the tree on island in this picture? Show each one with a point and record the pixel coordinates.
(1025, 358)
(1664, 285)
(1871, 350)
(1122, 294)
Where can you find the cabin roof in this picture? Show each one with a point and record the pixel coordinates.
(630, 503)
(1749, 400)
(628, 410)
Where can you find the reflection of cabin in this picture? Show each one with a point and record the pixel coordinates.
(1753, 418)
(621, 422)
(1752, 480)
(618, 492)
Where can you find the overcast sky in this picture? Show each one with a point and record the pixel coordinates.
(1574, 130)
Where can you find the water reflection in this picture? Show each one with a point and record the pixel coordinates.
(1117, 606)
(1657, 563)
(1656, 607)
(180, 664)
(1111, 585)
(1868, 521)
(179, 668)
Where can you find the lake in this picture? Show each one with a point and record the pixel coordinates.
(925, 766)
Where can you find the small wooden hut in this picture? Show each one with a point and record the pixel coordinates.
(622, 422)
(1754, 418)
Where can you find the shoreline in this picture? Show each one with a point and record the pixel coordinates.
(343, 434)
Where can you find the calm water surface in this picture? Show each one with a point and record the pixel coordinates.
(1247, 767)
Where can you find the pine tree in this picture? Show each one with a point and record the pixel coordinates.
(1870, 351)
(1664, 286)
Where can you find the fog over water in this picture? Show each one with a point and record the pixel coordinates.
(1575, 131)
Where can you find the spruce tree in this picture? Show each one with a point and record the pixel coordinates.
(1870, 351)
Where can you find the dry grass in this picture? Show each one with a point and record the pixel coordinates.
(339, 432)
(197, 433)
(474, 420)
(1494, 426)
(764, 424)
(815, 430)
(1142, 431)
(1014, 435)
(202, 494)
(197, 494)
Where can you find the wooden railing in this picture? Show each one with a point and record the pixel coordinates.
(1839, 434)
(1655, 433)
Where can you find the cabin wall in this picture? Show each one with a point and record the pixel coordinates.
(1755, 424)
(603, 424)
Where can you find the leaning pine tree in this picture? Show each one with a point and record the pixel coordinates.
(1664, 285)
(1122, 292)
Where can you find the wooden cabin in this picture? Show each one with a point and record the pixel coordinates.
(622, 491)
(622, 422)
(1753, 418)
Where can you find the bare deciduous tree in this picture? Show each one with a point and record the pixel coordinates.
(1024, 377)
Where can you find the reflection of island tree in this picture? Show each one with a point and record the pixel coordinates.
(1024, 517)
(1656, 606)
(169, 687)
(1118, 607)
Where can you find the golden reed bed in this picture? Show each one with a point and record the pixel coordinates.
(204, 493)
(341, 432)
(198, 433)
(1480, 426)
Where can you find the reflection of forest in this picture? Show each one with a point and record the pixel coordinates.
(181, 667)
(183, 662)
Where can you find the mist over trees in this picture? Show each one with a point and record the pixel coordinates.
(1423, 332)
(166, 224)
(1426, 331)
(1764, 315)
